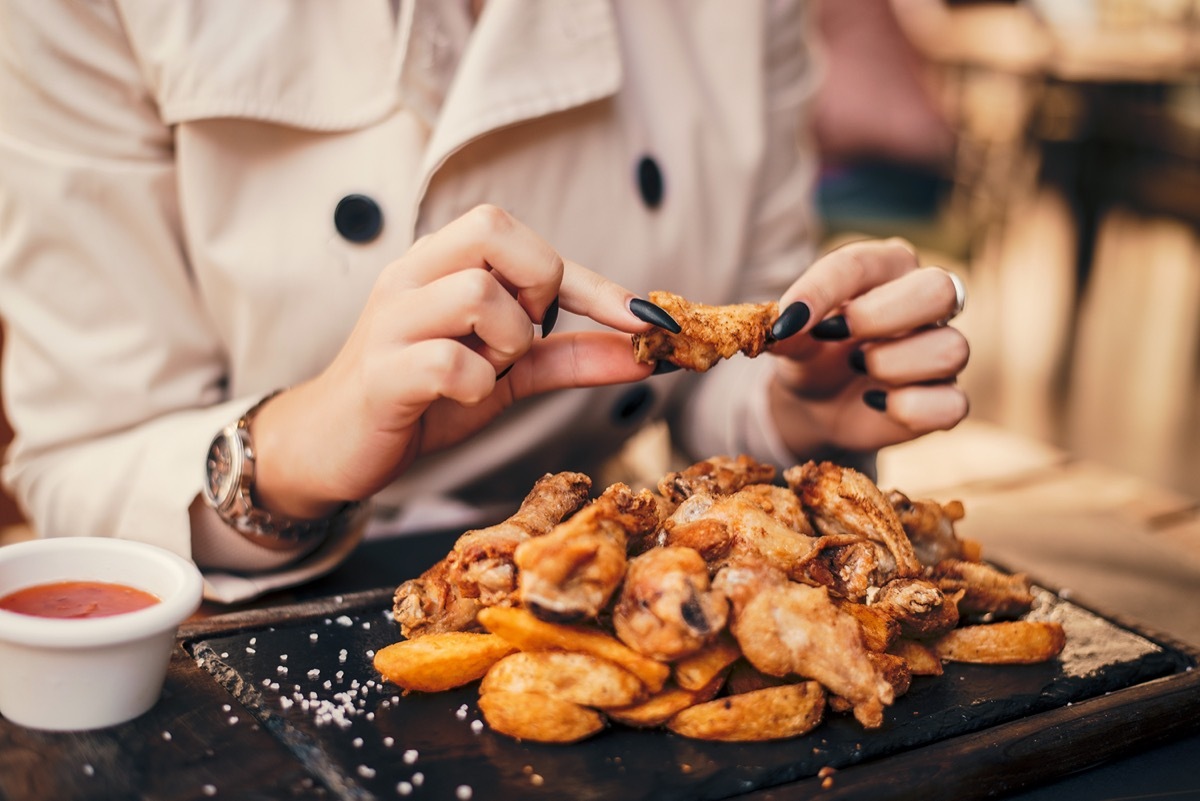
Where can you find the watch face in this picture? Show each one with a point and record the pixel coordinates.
(220, 474)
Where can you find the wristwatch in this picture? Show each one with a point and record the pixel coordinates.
(229, 491)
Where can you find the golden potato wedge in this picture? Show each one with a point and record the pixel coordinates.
(699, 669)
(567, 675)
(879, 629)
(663, 705)
(772, 713)
(921, 659)
(528, 633)
(743, 677)
(532, 716)
(440, 661)
(1014, 642)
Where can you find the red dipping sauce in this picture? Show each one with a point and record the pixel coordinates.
(77, 599)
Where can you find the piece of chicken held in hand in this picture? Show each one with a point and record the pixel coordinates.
(709, 333)
(479, 569)
(785, 628)
(666, 608)
(572, 572)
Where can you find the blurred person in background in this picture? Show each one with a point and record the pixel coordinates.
(340, 237)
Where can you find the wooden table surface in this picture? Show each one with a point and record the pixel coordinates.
(1111, 541)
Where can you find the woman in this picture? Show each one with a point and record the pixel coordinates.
(373, 207)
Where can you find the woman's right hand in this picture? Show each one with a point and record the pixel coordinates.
(445, 342)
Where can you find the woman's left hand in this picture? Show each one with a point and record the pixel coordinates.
(866, 357)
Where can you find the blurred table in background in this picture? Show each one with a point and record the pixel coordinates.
(1078, 181)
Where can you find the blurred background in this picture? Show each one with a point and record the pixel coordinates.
(1049, 152)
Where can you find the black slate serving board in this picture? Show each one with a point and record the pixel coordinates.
(310, 683)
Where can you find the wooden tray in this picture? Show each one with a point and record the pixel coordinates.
(306, 675)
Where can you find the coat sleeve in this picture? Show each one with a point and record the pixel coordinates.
(114, 378)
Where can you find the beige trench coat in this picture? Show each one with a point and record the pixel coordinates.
(169, 172)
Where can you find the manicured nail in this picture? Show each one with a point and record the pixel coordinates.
(550, 317)
(858, 361)
(662, 367)
(831, 328)
(792, 320)
(503, 372)
(647, 312)
(876, 399)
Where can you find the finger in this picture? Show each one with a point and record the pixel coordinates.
(592, 295)
(575, 359)
(913, 300)
(843, 274)
(467, 303)
(412, 377)
(488, 238)
(931, 354)
(922, 408)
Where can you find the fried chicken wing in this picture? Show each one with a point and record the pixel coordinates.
(720, 475)
(479, 569)
(736, 528)
(784, 628)
(921, 609)
(572, 572)
(666, 608)
(984, 588)
(709, 333)
(842, 500)
(930, 527)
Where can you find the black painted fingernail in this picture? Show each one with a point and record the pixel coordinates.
(662, 367)
(858, 361)
(792, 320)
(876, 399)
(647, 312)
(831, 328)
(503, 372)
(550, 317)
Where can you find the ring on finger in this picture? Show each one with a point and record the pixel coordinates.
(960, 298)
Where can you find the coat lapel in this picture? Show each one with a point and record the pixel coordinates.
(526, 59)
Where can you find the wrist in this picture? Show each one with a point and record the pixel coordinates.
(287, 480)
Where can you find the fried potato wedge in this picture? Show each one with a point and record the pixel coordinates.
(879, 629)
(772, 713)
(921, 659)
(743, 677)
(665, 704)
(441, 661)
(528, 633)
(532, 716)
(698, 670)
(567, 675)
(1013, 642)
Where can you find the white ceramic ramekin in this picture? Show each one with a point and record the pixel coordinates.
(70, 675)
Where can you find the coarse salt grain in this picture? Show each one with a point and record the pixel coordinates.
(283, 657)
(463, 792)
(88, 770)
(357, 742)
(536, 780)
(343, 620)
(233, 719)
(418, 779)
(251, 651)
(209, 789)
(388, 742)
(254, 641)
(166, 735)
(314, 673)
(226, 708)
(477, 726)
(366, 772)
(410, 756)
(404, 788)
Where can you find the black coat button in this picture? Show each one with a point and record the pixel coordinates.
(633, 405)
(650, 182)
(358, 218)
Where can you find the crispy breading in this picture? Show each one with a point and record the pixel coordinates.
(572, 572)
(709, 333)
(479, 570)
